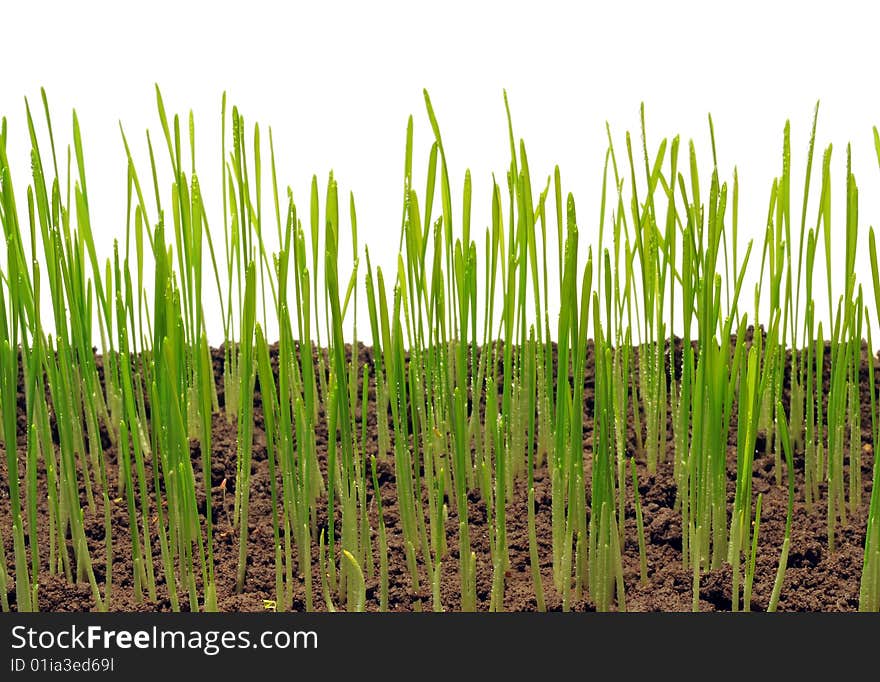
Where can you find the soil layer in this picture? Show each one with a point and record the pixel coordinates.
(817, 579)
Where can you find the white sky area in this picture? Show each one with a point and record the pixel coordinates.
(337, 81)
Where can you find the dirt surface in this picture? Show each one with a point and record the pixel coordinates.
(816, 580)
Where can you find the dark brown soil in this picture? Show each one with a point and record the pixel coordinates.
(816, 580)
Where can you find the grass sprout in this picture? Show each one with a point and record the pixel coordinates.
(397, 475)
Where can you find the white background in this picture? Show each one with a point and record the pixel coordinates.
(336, 81)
